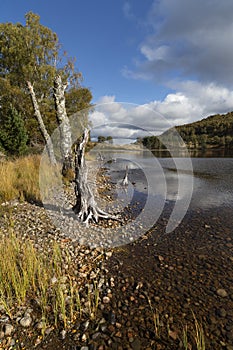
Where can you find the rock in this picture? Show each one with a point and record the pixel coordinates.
(108, 254)
(222, 312)
(173, 334)
(63, 334)
(96, 335)
(106, 300)
(8, 329)
(222, 292)
(85, 325)
(136, 345)
(26, 321)
(84, 337)
(160, 258)
(111, 317)
(53, 280)
(2, 334)
(118, 334)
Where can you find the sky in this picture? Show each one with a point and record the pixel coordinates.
(148, 63)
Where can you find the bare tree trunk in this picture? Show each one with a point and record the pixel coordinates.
(42, 127)
(86, 207)
(64, 123)
(125, 180)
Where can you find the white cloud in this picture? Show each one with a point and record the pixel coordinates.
(188, 38)
(192, 102)
(188, 50)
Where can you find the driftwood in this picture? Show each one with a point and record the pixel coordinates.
(86, 207)
(125, 180)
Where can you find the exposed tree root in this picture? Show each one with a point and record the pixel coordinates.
(86, 207)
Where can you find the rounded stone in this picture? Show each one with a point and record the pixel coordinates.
(222, 292)
(26, 321)
(106, 300)
(8, 329)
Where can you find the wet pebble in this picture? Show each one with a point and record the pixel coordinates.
(26, 321)
(106, 300)
(222, 292)
(8, 329)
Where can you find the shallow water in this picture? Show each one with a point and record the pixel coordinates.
(204, 182)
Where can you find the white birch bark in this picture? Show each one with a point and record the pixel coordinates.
(86, 207)
(42, 127)
(64, 123)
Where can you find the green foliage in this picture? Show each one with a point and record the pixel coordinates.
(32, 52)
(13, 135)
(101, 139)
(213, 132)
(77, 99)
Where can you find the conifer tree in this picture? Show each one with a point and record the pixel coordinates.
(13, 135)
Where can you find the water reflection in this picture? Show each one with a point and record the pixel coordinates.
(205, 153)
(212, 178)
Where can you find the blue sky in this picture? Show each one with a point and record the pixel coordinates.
(172, 56)
(101, 35)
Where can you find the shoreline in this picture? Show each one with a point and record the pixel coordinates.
(173, 276)
(150, 292)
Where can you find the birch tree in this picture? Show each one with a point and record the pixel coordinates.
(29, 58)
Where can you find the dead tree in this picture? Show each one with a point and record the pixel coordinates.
(64, 124)
(86, 207)
(125, 180)
(45, 134)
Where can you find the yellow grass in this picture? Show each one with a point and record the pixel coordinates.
(28, 274)
(20, 179)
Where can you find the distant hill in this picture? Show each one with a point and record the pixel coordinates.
(215, 131)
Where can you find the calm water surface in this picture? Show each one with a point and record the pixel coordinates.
(208, 181)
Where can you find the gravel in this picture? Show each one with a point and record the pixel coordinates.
(160, 278)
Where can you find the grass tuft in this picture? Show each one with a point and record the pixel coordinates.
(20, 179)
(26, 274)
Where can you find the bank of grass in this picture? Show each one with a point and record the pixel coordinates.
(20, 179)
(28, 274)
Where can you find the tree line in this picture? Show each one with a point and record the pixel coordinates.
(212, 132)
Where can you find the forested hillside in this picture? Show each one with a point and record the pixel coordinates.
(212, 132)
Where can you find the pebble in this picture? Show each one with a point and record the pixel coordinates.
(53, 280)
(106, 300)
(99, 330)
(2, 334)
(136, 344)
(84, 337)
(111, 317)
(8, 329)
(26, 321)
(108, 254)
(222, 312)
(96, 335)
(222, 292)
(63, 334)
